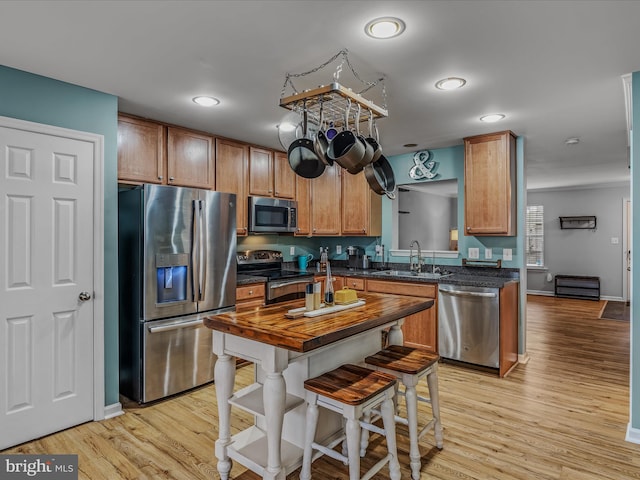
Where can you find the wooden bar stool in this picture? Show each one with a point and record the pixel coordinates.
(410, 365)
(351, 390)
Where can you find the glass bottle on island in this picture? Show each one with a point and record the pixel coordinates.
(328, 288)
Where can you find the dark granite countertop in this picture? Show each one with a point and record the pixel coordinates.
(248, 279)
(478, 277)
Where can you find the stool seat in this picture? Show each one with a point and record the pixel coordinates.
(403, 359)
(351, 391)
(410, 365)
(350, 384)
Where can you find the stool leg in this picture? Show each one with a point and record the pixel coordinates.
(389, 422)
(411, 398)
(309, 436)
(353, 447)
(432, 381)
(364, 436)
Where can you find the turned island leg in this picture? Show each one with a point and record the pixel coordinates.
(225, 371)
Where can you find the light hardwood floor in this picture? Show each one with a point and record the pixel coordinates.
(561, 416)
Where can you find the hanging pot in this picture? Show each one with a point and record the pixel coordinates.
(302, 156)
(380, 177)
(345, 149)
(374, 142)
(367, 157)
(321, 142)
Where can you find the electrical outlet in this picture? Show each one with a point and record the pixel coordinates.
(338, 249)
(507, 254)
(292, 250)
(474, 253)
(378, 249)
(488, 253)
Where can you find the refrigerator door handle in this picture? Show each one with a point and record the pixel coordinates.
(195, 250)
(203, 253)
(175, 326)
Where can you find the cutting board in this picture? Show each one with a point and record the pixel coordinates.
(301, 312)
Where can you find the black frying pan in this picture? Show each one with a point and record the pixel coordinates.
(380, 177)
(302, 156)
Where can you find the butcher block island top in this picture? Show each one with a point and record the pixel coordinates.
(269, 325)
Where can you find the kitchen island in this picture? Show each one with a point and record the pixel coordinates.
(288, 351)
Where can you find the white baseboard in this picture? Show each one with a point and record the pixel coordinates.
(523, 358)
(113, 410)
(544, 293)
(633, 434)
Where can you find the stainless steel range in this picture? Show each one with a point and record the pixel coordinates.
(282, 284)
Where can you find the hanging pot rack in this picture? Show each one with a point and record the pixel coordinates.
(334, 97)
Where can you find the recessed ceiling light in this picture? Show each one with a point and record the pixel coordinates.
(410, 145)
(206, 101)
(450, 83)
(494, 117)
(572, 141)
(384, 27)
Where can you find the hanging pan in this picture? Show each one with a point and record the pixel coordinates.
(374, 142)
(302, 156)
(346, 149)
(379, 175)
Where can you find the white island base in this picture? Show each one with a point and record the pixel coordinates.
(273, 446)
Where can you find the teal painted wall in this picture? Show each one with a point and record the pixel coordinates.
(43, 100)
(634, 413)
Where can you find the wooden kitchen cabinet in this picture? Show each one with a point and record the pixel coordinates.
(190, 159)
(141, 150)
(420, 329)
(270, 174)
(284, 178)
(490, 185)
(361, 207)
(354, 283)
(325, 203)
(508, 327)
(231, 176)
(250, 296)
(303, 197)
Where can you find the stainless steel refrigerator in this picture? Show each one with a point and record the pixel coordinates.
(177, 265)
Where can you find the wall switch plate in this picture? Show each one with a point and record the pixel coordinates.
(506, 254)
(474, 253)
(338, 249)
(615, 240)
(292, 250)
(488, 253)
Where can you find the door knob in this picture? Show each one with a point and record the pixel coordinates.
(84, 296)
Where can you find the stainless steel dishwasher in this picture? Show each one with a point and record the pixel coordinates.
(469, 324)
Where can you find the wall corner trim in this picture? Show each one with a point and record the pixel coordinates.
(633, 434)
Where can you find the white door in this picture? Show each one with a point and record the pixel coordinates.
(46, 284)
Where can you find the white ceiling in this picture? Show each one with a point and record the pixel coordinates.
(552, 67)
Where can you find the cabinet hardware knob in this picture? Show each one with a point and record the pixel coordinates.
(171, 179)
(160, 177)
(250, 292)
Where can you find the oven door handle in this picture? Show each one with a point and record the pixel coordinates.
(286, 284)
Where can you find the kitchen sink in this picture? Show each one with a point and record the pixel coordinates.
(409, 274)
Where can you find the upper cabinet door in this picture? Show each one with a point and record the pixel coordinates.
(325, 202)
(260, 172)
(231, 176)
(490, 185)
(190, 159)
(361, 207)
(141, 150)
(284, 178)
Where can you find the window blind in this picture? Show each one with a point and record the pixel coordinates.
(535, 235)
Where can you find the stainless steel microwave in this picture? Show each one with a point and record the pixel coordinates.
(272, 215)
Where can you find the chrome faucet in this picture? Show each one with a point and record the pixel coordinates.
(418, 266)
